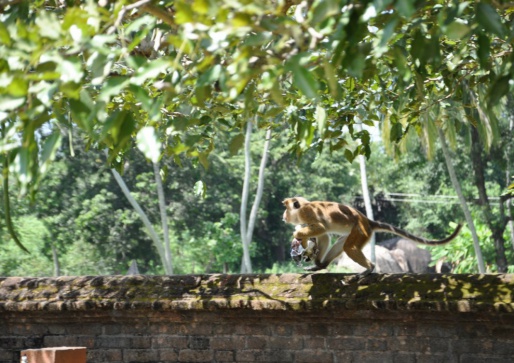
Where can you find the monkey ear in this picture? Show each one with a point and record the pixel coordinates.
(296, 204)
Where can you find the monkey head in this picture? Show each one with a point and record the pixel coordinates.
(291, 214)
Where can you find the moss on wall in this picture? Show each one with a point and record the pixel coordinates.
(302, 292)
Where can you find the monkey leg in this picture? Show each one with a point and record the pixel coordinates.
(323, 244)
(355, 253)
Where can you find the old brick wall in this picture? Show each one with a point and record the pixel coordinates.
(263, 318)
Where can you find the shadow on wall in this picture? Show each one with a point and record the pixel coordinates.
(428, 292)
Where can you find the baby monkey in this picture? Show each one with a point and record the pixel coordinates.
(319, 219)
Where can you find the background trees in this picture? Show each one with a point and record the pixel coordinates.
(195, 72)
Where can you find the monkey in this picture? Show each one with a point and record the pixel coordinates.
(319, 219)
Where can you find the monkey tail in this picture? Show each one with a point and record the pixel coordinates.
(385, 227)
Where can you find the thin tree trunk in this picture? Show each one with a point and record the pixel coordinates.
(250, 224)
(164, 217)
(260, 187)
(151, 231)
(496, 226)
(509, 171)
(57, 266)
(246, 264)
(463, 203)
(367, 200)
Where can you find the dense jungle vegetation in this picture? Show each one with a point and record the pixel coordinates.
(127, 128)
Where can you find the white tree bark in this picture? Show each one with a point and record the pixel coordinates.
(463, 203)
(55, 258)
(164, 217)
(246, 264)
(151, 231)
(367, 199)
(248, 226)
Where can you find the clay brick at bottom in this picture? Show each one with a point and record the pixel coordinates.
(54, 355)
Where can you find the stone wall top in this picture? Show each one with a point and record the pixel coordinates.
(303, 292)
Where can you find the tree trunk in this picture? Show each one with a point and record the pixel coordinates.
(496, 226)
(246, 263)
(151, 231)
(367, 199)
(164, 217)
(260, 187)
(509, 170)
(463, 203)
(55, 258)
(250, 225)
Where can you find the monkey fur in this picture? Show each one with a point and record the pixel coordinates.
(319, 219)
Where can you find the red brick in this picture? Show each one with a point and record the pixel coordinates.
(228, 342)
(224, 356)
(140, 355)
(314, 342)
(104, 355)
(256, 342)
(315, 356)
(190, 355)
(168, 355)
(165, 341)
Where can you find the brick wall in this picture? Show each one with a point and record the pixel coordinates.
(263, 318)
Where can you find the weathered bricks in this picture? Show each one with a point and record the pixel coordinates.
(261, 318)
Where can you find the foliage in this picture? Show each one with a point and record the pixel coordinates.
(189, 69)
(460, 253)
(179, 79)
(33, 235)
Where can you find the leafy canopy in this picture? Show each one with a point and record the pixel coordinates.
(168, 75)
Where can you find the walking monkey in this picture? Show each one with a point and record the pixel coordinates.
(319, 219)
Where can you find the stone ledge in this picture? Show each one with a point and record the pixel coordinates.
(295, 292)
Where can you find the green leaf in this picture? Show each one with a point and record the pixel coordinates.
(405, 8)
(113, 86)
(330, 76)
(498, 89)
(142, 96)
(9, 103)
(484, 48)
(396, 132)
(100, 66)
(457, 30)
(323, 9)
(18, 87)
(71, 70)
(348, 154)
(48, 24)
(489, 19)
(210, 76)
(184, 13)
(388, 32)
(150, 70)
(303, 79)
(5, 38)
(236, 143)
(50, 147)
(242, 20)
(80, 113)
(149, 144)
